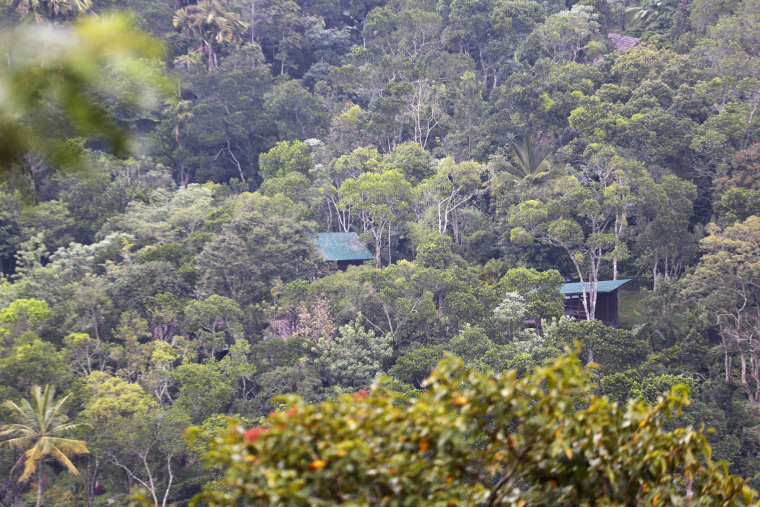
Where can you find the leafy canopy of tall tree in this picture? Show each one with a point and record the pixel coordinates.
(380, 199)
(727, 282)
(490, 30)
(451, 188)
(580, 222)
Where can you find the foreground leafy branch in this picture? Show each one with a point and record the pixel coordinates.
(56, 83)
(477, 438)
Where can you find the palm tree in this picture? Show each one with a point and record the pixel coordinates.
(53, 10)
(533, 165)
(40, 434)
(493, 271)
(653, 9)
(213, 25)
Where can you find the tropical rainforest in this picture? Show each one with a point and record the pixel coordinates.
(168, 324)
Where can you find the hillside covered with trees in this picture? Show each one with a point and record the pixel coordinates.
(164, 175)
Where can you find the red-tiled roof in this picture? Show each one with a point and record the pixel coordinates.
(622, 42)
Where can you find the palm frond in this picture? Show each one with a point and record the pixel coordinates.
(499, 180)
(69, 445)
(19, 431)
(81, 5)
(66, 428)
(539, 177)
(31, 457)
(14, 408)
(546, 165)
(63, 460)
(19, 443)
(45, 446)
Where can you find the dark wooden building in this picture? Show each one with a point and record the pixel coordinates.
(606, 300)
(343, 248)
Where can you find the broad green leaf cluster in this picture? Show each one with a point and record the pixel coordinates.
(474, 438)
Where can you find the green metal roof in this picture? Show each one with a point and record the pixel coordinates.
(342, 246)
(601, 286)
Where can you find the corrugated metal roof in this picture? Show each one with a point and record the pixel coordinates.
(601, 286)
(342, 246)
(622, 42)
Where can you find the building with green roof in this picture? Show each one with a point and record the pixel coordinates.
(606, 300)
(343, 248)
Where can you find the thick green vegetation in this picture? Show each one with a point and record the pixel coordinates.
(160, 196)
(477, 439)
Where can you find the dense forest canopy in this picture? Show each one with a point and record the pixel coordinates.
(165, 168)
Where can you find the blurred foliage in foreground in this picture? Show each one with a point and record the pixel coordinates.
(61, 83)
(475, 438)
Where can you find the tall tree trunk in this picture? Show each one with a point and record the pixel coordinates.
(455, 228)
(378, 244)
(39, 484)
(654, 271)
(92, 479)
(754, 372)
(171, 478)
(389, 244)
(743, 363)
(89, 484)
(253, 24)
(586, 295)
(592, 283)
